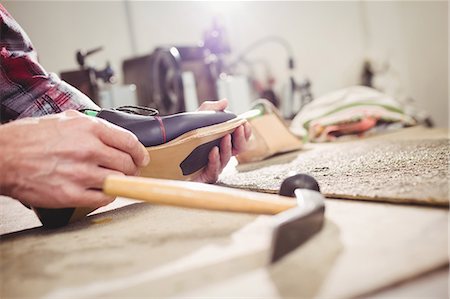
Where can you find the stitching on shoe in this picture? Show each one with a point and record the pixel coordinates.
(139, 110)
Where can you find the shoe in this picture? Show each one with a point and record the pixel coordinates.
(178, 144)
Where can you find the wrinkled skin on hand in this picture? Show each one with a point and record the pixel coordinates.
(62, 160)
(219, 156)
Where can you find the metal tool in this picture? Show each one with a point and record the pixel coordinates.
(296, 220)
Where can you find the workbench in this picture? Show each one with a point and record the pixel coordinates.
(133, 249)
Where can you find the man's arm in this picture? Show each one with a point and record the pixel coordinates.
(26, 89)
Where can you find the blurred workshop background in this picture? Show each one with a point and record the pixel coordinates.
(322, 46)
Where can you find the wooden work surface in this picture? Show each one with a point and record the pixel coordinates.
(132, 249)
(140, 250)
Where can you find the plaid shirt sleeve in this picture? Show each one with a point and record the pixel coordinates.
(26, 89)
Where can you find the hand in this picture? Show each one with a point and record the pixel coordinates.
(62, 160)
(219, 157)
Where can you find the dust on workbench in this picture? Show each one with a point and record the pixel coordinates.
(402, 171)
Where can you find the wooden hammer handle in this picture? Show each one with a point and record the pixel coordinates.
(196, 195)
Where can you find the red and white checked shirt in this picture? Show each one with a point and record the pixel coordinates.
(26, 89)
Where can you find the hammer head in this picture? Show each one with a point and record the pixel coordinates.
(295, 226)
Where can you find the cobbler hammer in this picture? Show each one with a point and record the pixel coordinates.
(295, 220)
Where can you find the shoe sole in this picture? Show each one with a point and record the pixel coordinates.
(184, 157)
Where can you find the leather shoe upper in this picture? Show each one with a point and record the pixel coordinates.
(156, 130)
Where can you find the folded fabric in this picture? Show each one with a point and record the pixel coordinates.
(353, 111)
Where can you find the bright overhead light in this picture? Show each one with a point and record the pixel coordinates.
(224, 7)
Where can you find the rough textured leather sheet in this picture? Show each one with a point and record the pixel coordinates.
(392, 170)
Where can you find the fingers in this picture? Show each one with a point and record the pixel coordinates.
(80, 197)
(114, 159)
(124, 141)
(95, 198)
(63, 196)
(98, 177)
(91, 198)
(247, 130)
(213, 105)
(217, 160)
(225, 151)
(85, 176)
(211, 172)
(239, 140)
(85, 187)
